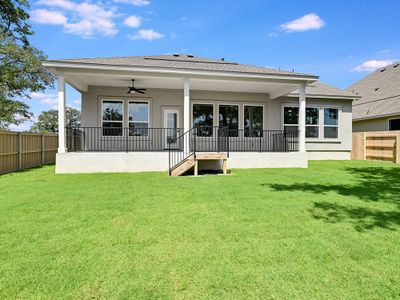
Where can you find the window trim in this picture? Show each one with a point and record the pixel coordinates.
(191, 115)
(336, 126)
(243, 118)
(138, 100)
(125, 112)
(106, 121)
(239, 115)
(321, 125)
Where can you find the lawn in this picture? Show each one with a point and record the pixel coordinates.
(331, 231)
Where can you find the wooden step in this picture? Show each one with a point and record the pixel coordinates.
(183, 167)
(210, 156)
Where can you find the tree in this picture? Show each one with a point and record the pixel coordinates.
(21, 70)
(48, 120)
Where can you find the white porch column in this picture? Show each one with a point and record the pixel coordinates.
(186, 112)
(61, 115)
(302, 118)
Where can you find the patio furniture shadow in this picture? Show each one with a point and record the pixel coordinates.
(370, 184)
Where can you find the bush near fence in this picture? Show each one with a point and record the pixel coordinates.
(376, 145)
(22, 150)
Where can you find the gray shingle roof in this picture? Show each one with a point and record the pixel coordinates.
(183, 61)
(319, 88)
(380, 93)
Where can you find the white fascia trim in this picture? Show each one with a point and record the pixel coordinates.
(180, 72)
(327, 97)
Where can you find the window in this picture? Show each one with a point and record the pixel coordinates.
(253, 121)
(329, 126)
(112, 117)
(331, 123)
(138, 118)
(203, 117)
(394, 124)
(291, 118)
(312, 122)
(229, 117)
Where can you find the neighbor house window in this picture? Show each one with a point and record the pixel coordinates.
(253, 121)
(394, 124)
(112, 117)
(203, 118)
(312, 122)
(229, 118)
(138, 118)
(331, 123)
(290, 118)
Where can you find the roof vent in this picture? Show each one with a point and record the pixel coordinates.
(396, 65)
(176, 55)
(222, 59)
(190, 55)
(376, 89)
(383, 70)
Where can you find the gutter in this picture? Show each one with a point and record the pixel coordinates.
(178, 71)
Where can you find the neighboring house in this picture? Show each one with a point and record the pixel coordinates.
(378, 109)
(196, 107)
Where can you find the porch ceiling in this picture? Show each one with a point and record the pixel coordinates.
(274, 88)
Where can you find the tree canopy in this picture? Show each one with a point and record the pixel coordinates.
(48, 120)
(21, 70)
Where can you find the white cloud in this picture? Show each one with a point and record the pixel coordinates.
(133, 21)
(305, 23)
(384, 51)
(50, 101)
(45, 16)
(372, 65)
(134, 2)
(147, 34)
(89, 19)
(273, 35)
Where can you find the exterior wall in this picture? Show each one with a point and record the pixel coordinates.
(378, 124)
(111, 162)
(116, 162)
(329, 155)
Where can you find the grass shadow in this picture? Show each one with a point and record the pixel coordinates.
(369, 184)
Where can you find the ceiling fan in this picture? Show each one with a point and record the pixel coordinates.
(133, 90)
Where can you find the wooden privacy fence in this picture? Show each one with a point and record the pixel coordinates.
(22, 150)
(377, 145)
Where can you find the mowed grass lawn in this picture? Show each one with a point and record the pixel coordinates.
(331, 231)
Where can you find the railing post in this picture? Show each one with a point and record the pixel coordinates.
(260, 141)
(194, 140)
(126, 139)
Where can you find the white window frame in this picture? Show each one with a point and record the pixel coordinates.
(239, 115)
(335, 126)
(191, 115)
(107, 121)
(243, 118)
(321, 121)
(138, 100)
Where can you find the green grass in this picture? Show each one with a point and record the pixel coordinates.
(330, 231)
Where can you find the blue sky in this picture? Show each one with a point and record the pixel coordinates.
(341, 41)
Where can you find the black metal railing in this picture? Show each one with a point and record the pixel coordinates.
(177, 153)
(120, 138)
(200, 139)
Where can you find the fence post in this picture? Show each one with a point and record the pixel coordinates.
(397, 149)
(42, 149)
(19, 151)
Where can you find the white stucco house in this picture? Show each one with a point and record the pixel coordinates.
(185, 112)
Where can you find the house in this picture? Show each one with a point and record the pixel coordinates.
(159, 113)
(378, 108)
